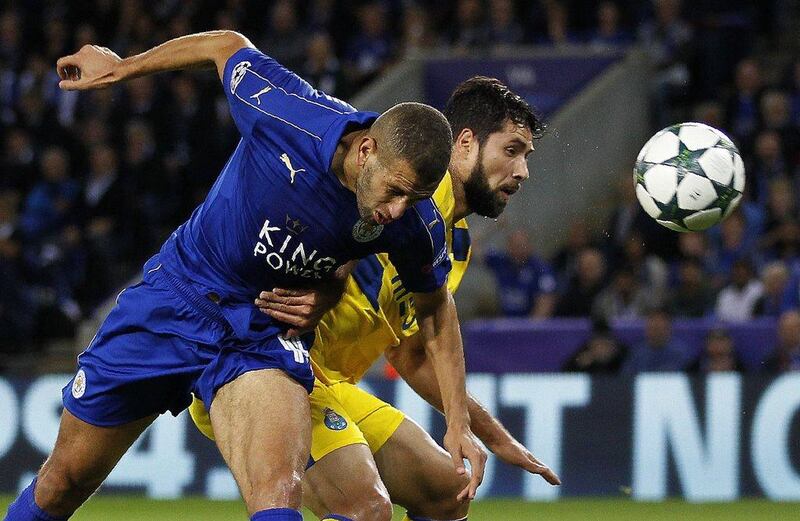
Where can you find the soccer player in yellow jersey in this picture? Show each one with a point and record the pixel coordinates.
(366, 454)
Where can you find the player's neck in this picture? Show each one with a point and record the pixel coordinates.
(460, 208)
(345, 164)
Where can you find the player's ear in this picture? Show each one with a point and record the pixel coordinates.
(466, 141)
(366, 146)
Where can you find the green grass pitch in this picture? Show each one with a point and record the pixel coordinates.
(128, 508)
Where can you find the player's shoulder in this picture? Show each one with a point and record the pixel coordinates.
(444, 199)
(250, 67)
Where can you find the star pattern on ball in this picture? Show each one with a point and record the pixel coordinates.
(687, 161)
(682, 194)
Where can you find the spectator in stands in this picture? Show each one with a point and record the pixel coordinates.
(627, 218)
(419, 35)
(660, 351)
(778, 296)
(322, 68)
(372, 48)
(781, 237)
(186, 130)
(321, 15)
(793, 83)
(609, 32)
(742, 106)
(712, 113)
(624, 298)
(650, 270)
(156, 204)
(100, 104)
(693, 296)
(285, 40)
(691, 246)
(105, 219)
(733, 245)
(558, 29)
(34, 115)
(737, 301)
(504, 29)
(525, 283)
(142, 100)
(776, 116)
(18, 162)
(51, 201)
(764, 166)
(566, 260)
(17, 303)
(587, 282)
(11, 26)
(601, 354)
(668, 41)
(469, 32)
(786, 356)
(718, 355)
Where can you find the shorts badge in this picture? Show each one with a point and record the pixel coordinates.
(333, 421)
(79, 384)
(365, 232)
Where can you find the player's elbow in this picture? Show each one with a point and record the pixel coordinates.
(226, 43)
(233, 40)
(429, 304)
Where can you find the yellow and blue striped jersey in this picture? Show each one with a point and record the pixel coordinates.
(376, 311)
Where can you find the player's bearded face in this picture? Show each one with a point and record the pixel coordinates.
(499, 170)
(481, 198)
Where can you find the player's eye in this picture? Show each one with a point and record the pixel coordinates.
(511, 151)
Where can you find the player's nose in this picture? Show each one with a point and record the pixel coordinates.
(521, 171)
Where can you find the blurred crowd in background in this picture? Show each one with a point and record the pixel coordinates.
(92, 183)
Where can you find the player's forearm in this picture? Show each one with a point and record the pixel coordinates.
(201, 50)
(413, 365)
(441, 338)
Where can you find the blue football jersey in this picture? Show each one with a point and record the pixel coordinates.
(277, 215)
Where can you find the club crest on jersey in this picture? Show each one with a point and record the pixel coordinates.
(79, 384)
(365, 232)
(333, 421)
(294, 226)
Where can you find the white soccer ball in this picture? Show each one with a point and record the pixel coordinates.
(689, 177)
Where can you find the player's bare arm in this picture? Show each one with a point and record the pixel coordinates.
(96, 67)
(413, 365)
(304, 308)
(441, 336)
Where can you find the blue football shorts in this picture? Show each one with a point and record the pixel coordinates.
(164, 341)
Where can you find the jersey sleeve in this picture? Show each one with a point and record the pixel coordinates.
(422, 260)
(264, 95)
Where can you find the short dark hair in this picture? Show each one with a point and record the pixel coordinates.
(484, 104)
(418, 134)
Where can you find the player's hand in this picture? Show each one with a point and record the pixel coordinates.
(514, 453)
(461, 443)
(93, 67)
(300, 308)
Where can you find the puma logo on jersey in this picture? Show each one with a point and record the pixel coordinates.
(259, 93)
(433, 223)
(292, 170)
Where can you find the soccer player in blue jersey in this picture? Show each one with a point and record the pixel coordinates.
(312, 184)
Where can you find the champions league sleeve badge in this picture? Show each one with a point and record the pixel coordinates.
(365, 232)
